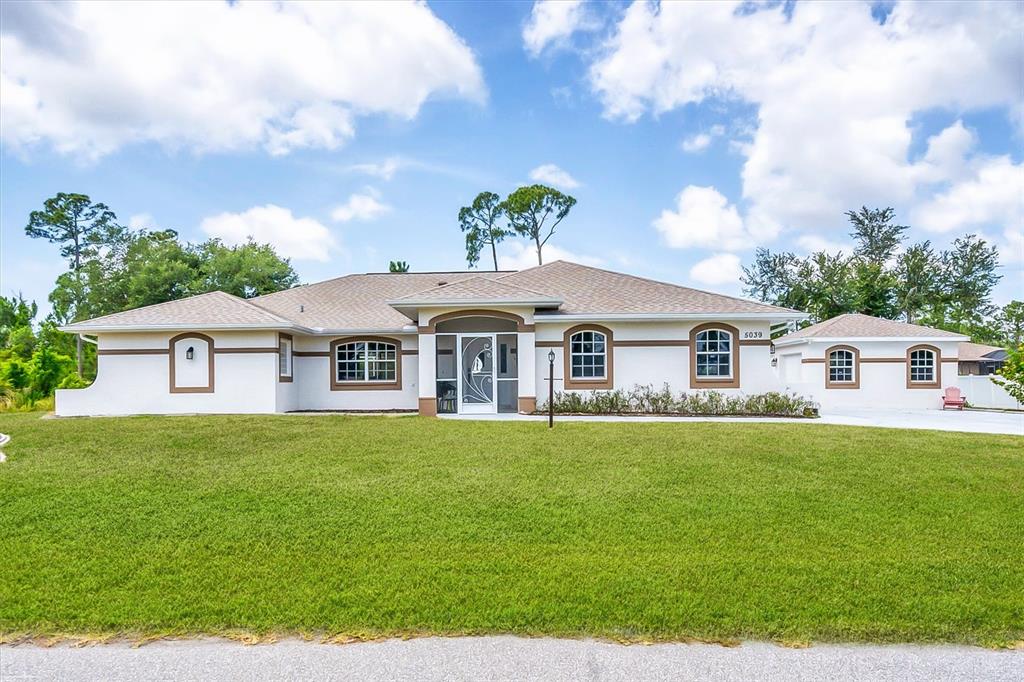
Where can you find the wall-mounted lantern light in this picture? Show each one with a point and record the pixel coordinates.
(190, 353)
(771, 348)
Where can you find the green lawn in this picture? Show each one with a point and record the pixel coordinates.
(369, 526)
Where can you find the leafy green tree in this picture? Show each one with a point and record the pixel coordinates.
(79, 227)
(1011, 375)
(14, 373)
(830, 290)
(398, 266)
(876, 235)
(480, 222)
(916, 282)
(246, 270)
(968, 275)
(46, 370)
(1011, 324)
(156, 268)
(776, 278)
(535, 211)
(15, 313)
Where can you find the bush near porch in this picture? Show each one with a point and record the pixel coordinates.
(373, 526)
(646, 400)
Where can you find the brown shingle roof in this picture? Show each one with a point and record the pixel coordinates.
(357, 301)
(205, 310)
(478, 289)
(593, 291)
(855, 325)
(973, 352)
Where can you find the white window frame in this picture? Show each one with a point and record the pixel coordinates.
(366, 362)
(852, 366)
(698, 352)
(604, 355)
(932, 364)
(285, 364)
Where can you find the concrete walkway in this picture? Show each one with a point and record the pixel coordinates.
(503, 658)
(969, 421)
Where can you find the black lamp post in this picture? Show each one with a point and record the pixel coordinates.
(551, 389)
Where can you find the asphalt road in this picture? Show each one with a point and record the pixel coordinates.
(503, 658)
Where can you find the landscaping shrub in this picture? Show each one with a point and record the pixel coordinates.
(648, 400)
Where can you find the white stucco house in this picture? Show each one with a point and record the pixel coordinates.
(478, 342)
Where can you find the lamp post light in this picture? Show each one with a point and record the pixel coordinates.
(551, 389)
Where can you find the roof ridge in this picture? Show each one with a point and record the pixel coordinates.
(656, 281)
(248, 302)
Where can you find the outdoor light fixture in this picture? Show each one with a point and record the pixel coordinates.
(771, 348)
(551, 357)
(190, 353)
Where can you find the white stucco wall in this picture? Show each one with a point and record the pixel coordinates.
(657, 365)
(882, 384)
(140, 384)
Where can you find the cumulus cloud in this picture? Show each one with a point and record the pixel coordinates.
(519, 256)
(553, 22)
(90, 77)
(703, 218)
(992, 195)
(836, 91)
(385, 170)
(721, 268)
(362, 206)
(141, 221)
(811, 243)
(701, 141)
(550, 174)
(292, 237)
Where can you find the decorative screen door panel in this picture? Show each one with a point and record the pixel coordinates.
(477, 374)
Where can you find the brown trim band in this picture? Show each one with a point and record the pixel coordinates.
(898, 361)
(652, 343)
(410, 351)
(608, 381)
(225, 351)
(336, 385)
(828, 368)
(211, 352)
(548, 344)
(521, 325)
(755, 342)
(311, 353)
(133, 351)
(734, 382)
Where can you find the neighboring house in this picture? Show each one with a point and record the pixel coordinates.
(862, 361)
(980, 359)
(467, 342)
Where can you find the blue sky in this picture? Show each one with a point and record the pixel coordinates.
(349, 135)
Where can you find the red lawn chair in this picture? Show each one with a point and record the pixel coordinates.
(952, 398)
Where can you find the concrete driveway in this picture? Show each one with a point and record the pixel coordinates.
(969, 421)
(504, 658)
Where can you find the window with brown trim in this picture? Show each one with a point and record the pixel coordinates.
(284, 358)
(842, 368)
(587, 352)
(366, 363)
(924, 369)
(714, 356)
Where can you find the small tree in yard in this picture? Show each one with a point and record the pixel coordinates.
(535, 211)
(1011, 375)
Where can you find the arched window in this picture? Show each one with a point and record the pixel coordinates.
(923, 367)
(588, 350)
(367, 362)
(843, 370)
(714, 354)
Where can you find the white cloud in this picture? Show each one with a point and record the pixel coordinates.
(91, 77)
(819, 149)
(811, 243)
(364, 207)
(553, 22)
(550, 174)
(520, 255)
(701, 141)
(1011, 250)
(385, 170)
(141, 221)
(704, 218)
(992, 195)
(721, 268)
(298, 238)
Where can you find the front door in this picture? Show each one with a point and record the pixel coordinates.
(476, 374)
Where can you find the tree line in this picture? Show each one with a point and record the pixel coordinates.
(949, 289)
(110, 268)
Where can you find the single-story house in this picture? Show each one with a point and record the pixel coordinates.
(479, 342)
(857, 360)
(979, 359)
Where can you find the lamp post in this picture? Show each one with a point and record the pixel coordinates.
(551, 389)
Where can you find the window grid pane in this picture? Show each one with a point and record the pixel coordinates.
(840, 367)
(587, 355)
(922, 366)
(367, 361)
(714, 354)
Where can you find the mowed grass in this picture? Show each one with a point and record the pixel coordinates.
(370, 526)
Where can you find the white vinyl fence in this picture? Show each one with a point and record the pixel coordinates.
(981, 391)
